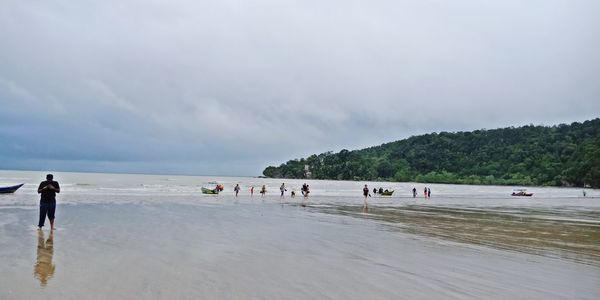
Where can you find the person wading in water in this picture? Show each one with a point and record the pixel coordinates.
(366, 194)
(236, 189)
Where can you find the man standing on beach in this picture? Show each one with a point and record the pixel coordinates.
(48, 189)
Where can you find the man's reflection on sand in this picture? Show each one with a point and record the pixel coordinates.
(44, 268)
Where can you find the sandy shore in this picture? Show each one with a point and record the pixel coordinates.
(262, 251)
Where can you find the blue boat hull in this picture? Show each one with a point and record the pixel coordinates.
(10, 189)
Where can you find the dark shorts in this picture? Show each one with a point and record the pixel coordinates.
(46, 210)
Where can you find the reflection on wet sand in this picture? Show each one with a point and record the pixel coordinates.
(44, 268)
(557, 234)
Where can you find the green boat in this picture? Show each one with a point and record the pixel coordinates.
(209, 191)
(387, 193)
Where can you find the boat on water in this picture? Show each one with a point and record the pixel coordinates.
(521, 193)
(10, 189)
(215, 191)
(387, 193)
(210, 191)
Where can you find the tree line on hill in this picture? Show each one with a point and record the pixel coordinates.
(561, 155)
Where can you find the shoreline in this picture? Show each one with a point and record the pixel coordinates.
(43, 172)
(452, 183)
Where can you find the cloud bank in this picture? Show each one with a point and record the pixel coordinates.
(228, 87)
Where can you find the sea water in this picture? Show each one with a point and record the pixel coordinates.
(158, 236)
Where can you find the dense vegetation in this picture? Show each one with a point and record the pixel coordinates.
(563, 155)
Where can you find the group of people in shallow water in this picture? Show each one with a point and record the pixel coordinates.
(426, 192)
(263, 190)
(305, 190)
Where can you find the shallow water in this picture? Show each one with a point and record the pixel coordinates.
(564, 234)
(157, 237)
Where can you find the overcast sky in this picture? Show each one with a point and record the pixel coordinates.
(229, 87)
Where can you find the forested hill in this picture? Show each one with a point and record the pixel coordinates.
(563, 155)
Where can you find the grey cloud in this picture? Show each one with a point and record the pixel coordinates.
(246, 83)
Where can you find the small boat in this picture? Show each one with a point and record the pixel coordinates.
(521, 193)
(210, 191)
(10, 189)
(387, 193)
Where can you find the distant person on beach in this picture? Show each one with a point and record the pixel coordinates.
(251, 191)
(380, 190)
(48, 190)
(428, 193)
(584, 193)
(366, 194)
(374, 190)
(263, 190)
(282, 189)
(414, 192)
(425, 192)
(304, 189)
(236, 189)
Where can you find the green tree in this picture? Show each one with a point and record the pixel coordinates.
(567, 155)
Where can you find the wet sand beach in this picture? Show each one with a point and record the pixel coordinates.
(119, 242)
(564, 234)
